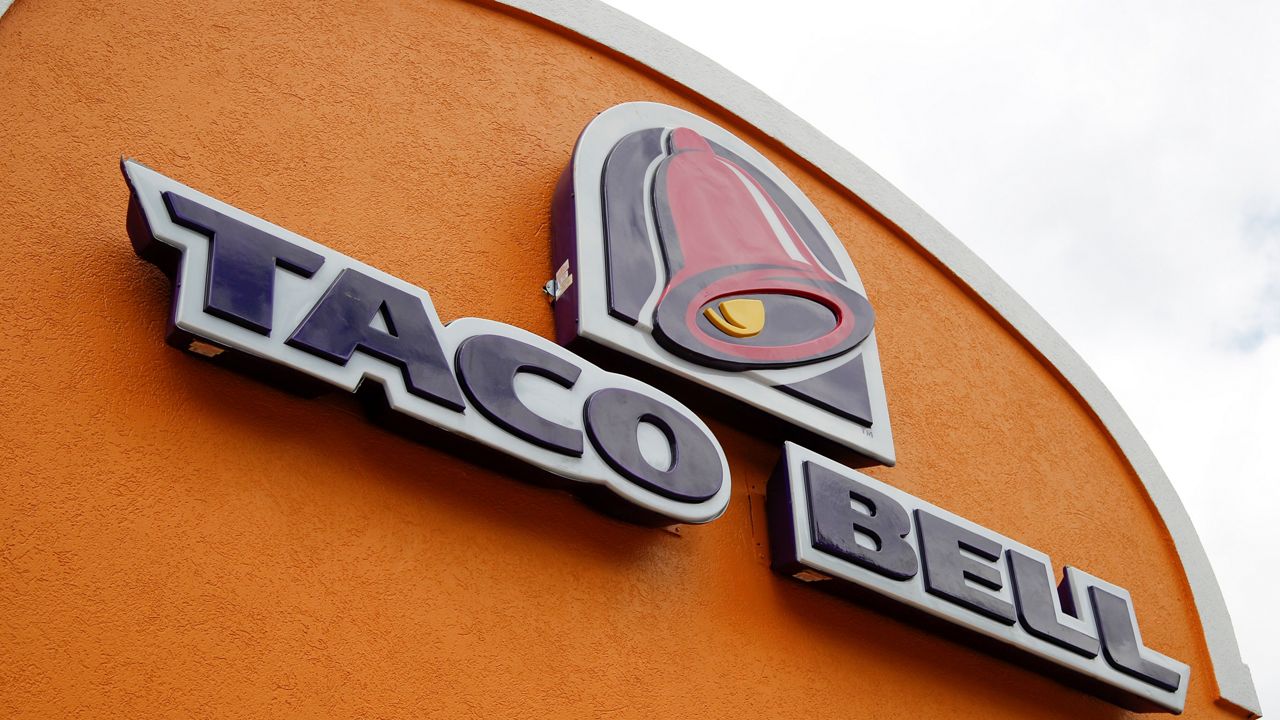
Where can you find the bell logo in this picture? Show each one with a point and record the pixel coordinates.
(680, 245)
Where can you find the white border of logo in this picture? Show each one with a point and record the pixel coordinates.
(754, 387)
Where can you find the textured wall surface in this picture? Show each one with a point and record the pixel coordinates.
(176, 539)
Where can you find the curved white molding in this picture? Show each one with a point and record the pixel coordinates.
(624, 34)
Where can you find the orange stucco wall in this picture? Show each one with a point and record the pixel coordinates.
(176, 539)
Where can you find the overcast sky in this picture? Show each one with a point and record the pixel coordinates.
(1118, 163)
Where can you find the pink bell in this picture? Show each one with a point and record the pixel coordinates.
(743, 289)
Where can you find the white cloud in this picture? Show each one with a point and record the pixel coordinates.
(1119, 165)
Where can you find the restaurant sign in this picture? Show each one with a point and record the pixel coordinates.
(679, 246)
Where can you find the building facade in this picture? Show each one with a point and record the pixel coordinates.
(185, 539)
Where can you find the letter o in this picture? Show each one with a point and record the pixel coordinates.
(612, 417)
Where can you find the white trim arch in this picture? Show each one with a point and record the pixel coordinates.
(627, 36)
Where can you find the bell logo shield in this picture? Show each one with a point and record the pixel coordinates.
(679, 245)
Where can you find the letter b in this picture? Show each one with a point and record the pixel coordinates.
(836, 524)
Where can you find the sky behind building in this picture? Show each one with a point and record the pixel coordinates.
(1119, 165)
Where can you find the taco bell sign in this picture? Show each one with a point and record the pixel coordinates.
(681, 249)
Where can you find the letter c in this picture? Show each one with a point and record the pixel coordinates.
(488, 365)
